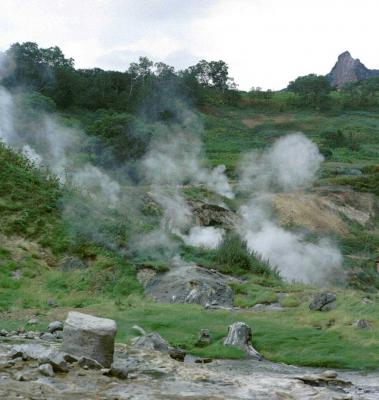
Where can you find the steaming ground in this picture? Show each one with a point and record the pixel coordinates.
(290, 164)
(175, 158)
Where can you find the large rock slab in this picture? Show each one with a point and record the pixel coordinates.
(89, 336)
(191, 284)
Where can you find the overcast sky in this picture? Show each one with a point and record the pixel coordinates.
(266, 43)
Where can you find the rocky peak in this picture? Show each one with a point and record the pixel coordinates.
(347, 69)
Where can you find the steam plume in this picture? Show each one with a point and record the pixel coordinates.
(291, 163)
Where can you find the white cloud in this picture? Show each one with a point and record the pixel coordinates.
(265, 42)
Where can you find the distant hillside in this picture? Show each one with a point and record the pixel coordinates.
(348, 69)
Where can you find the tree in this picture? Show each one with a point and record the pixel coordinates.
(35, 67)
(219, 76)
(212, 74)
(312, 89)
(164, 71)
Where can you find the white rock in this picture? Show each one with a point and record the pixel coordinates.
(46, 370)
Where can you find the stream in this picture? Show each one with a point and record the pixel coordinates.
(154, 375)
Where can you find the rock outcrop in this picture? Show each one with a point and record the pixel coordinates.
(240, 335)
(213, 215)
(89, 336)
(323, 302)
(152, 341)
(347, 69)
(191, 284)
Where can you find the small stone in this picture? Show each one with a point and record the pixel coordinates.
(81, 373)
(52, 303)
(3, 333)
(204, 339)
(203, 360)
(46, 370)
(55, 326)
(6, 364)
(178, 354)
(363, 324)
(33, 321)
(118, 371)
(330, 374)
(58, 362)
(20, 376)
(105, 371)
(47, 336)
(59, 335)
(89, 363)
(323, 302)
(29, 335)
(20, 331)
(69, 358)
(152, 341)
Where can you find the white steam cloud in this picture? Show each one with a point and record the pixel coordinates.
(207, 237)
(291, 163)
(174, 160)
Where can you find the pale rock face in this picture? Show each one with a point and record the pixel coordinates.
(89, 336)
(240, 335)
(347, 69)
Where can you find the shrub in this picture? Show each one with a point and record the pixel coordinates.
(233, 256)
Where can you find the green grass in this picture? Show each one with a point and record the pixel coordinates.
(227, 136)
(292, 337)
(298, 336)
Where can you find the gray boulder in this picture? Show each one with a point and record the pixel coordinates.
(213, 215)
(46, 370)
(325, 301)
(58, 361)
(55, 326)
(205, 338)
(152, 341)
(89, 336)
(88, 363)
(59, 335)
(29, 352)
(177, 354)
(191, 284)
(240, 335)
(47, 336)
(363, 324)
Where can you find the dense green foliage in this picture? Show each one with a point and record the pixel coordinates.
(29, 199)
(50, 73)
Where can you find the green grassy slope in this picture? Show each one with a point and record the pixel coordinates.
(35, 246)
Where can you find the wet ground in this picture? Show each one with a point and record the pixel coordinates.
(153, 375)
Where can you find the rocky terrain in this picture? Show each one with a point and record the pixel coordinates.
(33, 367)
